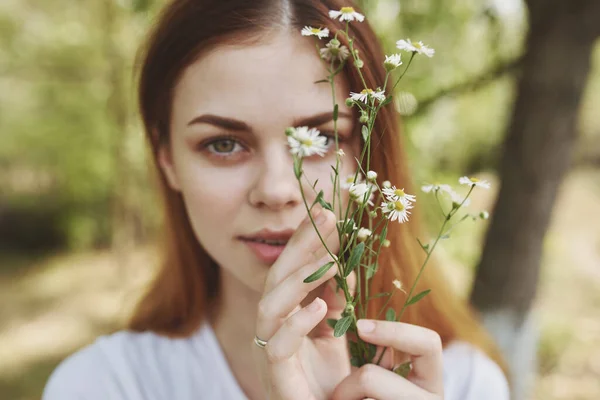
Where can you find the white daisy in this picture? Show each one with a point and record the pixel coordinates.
(346, 14)
(437, 187)
(341, 153)
(465, 180)
(366, 93)
(305, 142)
(318, 32)
(392, 62)
(392, 194)
(334, 51)
(417, 47)
(396, 210)
(361, 193)
(371, 175)
(363, 234)
(349, 180)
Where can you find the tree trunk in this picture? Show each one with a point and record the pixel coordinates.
(536, 156)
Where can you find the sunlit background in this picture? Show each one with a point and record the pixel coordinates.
(78, 211)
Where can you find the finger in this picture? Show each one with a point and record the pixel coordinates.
(276, 306)
(422, 344)
(301, 247)
(376, 382)
(336, 303)
(288, 379)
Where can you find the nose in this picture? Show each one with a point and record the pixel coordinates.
(275, 186)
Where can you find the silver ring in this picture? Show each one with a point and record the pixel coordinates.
(259, 342)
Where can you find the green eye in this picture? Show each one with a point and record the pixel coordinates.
(223, 146)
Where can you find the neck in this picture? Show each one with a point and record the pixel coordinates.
(234, 324)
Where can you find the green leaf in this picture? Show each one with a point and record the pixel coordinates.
(356, 362)
(387, 101)
(318, 199)
(335, 112)
(325, 204)
(319, 273)
(354, 259)
(390, 314)
(322, 81)
(370, 272)
(342, 326)
(383, 234)
(425, 247)
(315, 184)
(418, 297)
(365, 132)
(375, 296)
(403, 369)
(331, 322)
(349, 226)
(298, 167)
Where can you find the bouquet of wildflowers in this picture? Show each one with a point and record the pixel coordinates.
(381, 205)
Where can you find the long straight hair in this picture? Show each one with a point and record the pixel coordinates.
(186, 285)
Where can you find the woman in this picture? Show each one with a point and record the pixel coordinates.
(228, 316)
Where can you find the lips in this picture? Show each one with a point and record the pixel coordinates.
(267, 245)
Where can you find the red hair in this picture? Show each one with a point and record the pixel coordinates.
(187, 281)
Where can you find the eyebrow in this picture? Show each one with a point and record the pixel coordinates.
(240, 126)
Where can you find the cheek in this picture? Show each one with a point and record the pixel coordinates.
(213, 196)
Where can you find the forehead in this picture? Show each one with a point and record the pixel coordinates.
(274, 78)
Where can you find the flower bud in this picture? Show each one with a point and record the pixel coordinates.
(484, 215)
(349, 102)
(371, 175)
(359, 63)
(334, 42)
(364, 117)
(349, 309)
(386, 243)
(386, 184)
(289, 131)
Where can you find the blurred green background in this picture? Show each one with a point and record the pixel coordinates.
(77, 212)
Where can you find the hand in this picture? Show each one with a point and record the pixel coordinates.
(302, 359)
(424, 348)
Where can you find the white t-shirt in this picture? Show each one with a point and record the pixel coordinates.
(147, 366)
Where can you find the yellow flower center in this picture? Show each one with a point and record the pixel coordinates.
(315, 30)
(347, 10)
(417, 45)
(307, 142)
(399, 192)
(398, 206)
(474, 180)
(366, 91)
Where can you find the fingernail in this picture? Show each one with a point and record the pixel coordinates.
(315, 305)
(365, 326)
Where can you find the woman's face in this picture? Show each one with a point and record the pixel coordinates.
(229, 156)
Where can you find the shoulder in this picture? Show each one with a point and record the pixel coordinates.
(469, 374)
(127, 365)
